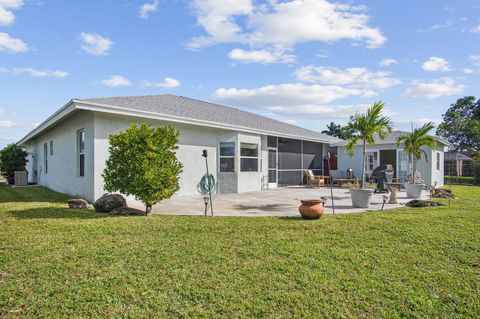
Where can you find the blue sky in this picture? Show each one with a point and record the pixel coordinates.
(307, 62)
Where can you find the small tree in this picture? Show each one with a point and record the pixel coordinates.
(413, 143)
(12, 158)
(365, 128)
(143, 163)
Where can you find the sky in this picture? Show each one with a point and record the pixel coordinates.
(305, 62)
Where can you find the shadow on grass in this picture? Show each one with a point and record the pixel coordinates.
(65, 213)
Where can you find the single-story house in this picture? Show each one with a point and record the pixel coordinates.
(247, 152)
(458, 161)
(388, 152)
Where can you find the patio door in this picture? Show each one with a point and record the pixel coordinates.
(373, 160)
(403, 164)
(272, 167)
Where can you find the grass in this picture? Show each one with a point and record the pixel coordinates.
(406, 263)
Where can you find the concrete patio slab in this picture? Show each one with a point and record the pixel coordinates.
(273, 202)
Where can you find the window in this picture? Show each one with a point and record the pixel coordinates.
(248, 157)
(45, 157)
(51, 148)
(372, 161)
(438, 161)
(81, 152)
(227, 157)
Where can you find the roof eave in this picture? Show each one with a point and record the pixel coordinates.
(49, 122)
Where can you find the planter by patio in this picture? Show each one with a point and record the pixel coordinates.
(361, 197)
(311, 208)
(414, 190)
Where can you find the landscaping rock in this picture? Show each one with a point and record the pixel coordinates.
(443, 193)
(77, 203)
(422, 203)
(111, 203)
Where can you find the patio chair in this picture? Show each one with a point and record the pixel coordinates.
(314, 180)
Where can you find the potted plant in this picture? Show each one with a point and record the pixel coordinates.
(311, 208)
(365, 128)
(414, 144)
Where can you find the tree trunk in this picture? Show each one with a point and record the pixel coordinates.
(414, 178)
(364, 162)
(148, 209)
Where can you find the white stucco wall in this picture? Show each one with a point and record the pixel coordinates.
(63, 175)
(193, 139)
(438, 174)
(428, 170)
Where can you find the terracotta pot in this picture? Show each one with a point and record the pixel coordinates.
(311, 208)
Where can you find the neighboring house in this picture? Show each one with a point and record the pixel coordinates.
(455, 160)
(387, 152)
(246, 151)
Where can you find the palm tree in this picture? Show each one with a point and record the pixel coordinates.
(413, 143)
(365, 128)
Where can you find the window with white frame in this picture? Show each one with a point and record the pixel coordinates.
(51, 148)
(438, 161)
(45, 158)
(81, 152)
(372, 161)
(227, 157)
(248, 157)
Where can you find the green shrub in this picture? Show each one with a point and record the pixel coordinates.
(12, 158)
(143, 163)
(462, 180)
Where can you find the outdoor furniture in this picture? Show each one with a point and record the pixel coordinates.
(314, 180)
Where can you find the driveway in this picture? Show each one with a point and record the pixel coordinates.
(273, 202)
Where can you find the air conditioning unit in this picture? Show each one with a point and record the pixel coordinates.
(20, 178)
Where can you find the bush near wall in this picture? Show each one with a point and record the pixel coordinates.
(462, 180)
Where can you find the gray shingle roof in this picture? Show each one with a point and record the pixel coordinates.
(188, 108)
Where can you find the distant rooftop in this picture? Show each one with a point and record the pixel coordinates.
(390, 139)
(187, 108)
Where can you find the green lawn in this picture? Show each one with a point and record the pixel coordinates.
(410, 263)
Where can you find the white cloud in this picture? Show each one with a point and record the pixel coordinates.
(475, 58)
(147, 9)
(322, 54)
(434, 89)
(281, 25)
(435, 64)
(95, 44)
(115, 81)
(355, 77)
(387, 62)
(468, 71)
(7, 124)
(168, 83)
(6, 15)
(288, 95)
(260, 56)
(13, 45)
(475, 29)
(35, 73)
(438, 26)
